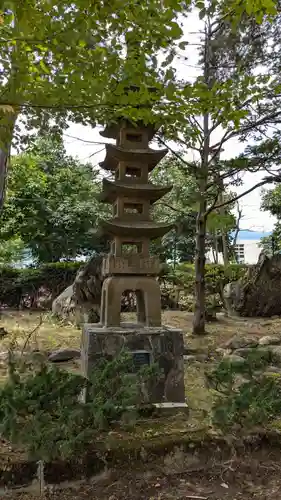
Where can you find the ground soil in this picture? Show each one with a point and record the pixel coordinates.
(255, 477)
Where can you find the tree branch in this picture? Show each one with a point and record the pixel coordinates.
(177, 155)
(266, 180)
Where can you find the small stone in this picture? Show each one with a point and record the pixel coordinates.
(189, 358)
(270, 340)
(237, 342)
(63, 355)
(233, 359)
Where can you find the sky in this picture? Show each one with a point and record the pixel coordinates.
(79, 140)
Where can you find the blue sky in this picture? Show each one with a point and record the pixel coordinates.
(252, 235)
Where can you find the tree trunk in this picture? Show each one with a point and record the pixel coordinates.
(3, 175)
(201, 221)
(199, 313)
(6, 136)
(225, 250)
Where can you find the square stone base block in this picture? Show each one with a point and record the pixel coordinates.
(162, 345)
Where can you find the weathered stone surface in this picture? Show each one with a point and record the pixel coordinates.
(164, 344)
(64, 305)
(189, 358)
(258, 294)
(270, 340)
(234, 359)
(80, 302)
(276, 352)
(62, 355)
(237, 342)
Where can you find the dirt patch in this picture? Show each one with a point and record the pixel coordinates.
(257, 476)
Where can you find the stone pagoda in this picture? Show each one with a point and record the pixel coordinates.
(130, 267)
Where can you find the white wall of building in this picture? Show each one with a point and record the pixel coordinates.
(251, 251)
(247, 248)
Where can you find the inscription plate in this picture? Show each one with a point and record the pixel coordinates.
(141, 358)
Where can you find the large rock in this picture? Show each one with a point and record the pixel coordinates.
(64, 305)
(237, 342)
(80, 302)
(258, 293)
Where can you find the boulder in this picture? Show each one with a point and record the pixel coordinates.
(64, 305)
(237, 342)
(63, 355)
(80, 302)
(258, 293)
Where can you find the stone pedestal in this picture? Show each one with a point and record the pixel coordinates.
(148, 345)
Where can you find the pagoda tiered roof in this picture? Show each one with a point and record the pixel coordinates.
(137, 229)
(111, 131)
(116, 154)
(113, 189)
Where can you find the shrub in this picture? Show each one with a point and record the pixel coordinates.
(41, 410)
(246, 395)
(216, 275)
(23, 287)
(26, 287)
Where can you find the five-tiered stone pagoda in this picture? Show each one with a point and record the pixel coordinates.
(129, 265)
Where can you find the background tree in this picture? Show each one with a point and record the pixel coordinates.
(176, 207)
(12, 251)
(63, 61)
(231, 98)
(52, 203)
(271, 202)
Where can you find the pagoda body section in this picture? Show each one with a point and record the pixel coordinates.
(129, 265)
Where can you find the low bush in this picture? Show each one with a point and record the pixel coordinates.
(216, 275)
(246, 394)
(182, 278)
(37, 287)
(40, 410)
(25, 287)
